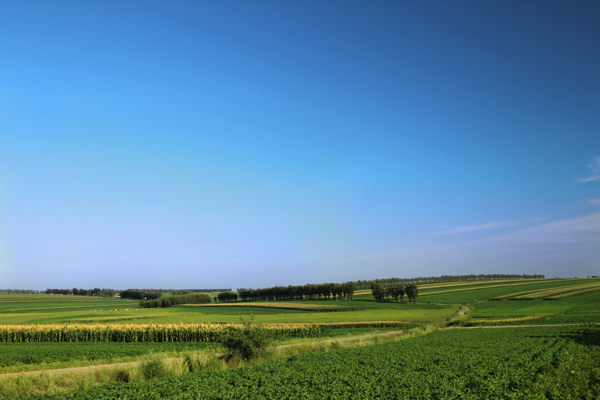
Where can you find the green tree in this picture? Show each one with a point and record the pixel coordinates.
(412, 292)
(378, 291)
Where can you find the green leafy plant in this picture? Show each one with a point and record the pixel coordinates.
(154, 368)
(249, 342)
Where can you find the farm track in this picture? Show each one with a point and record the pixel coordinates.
(92, 368)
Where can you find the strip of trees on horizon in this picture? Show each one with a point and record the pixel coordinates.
(323, 291)
(168, 301)
(394, 292)
(20, 291)
(227, 297)
(134, 294)
(84, 292)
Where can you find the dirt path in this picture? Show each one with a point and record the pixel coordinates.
(92, 368)
(463, 310)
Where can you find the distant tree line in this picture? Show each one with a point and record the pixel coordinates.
(168, 301)
(84, 292)
(394, 292)
(140, 294)
(227, 297)
(361, 285)
(19, 291)
(184, 291)
(323, 291)
(135, 294)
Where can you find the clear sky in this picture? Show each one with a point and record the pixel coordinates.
(199, 144)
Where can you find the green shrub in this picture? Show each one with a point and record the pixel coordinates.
(249, 342)
(155, 368)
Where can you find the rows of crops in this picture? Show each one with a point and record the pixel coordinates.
(484, 287)
(573, 293)
(168, 332)
(14, 354)
(450, 364)
(551, 294)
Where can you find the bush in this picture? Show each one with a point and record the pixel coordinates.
(154, 369)
(249, 342)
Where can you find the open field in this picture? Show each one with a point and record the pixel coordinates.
(538, 350)
(71, 310)
(474, 364)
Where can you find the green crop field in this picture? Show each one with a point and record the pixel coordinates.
(29, 356)
(43, 309)
(514, 362)
(473, 364)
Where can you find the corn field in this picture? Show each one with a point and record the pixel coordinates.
(168, 333)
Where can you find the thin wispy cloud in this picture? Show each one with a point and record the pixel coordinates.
(489, 225)
(595, 202)
(595, 174)
(573, 231)
(565, 247)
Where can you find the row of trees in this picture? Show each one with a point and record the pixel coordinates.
(19, 291)
(84, 292)
(168, 301)
(323, 291)
(151, 294)
(140, 294)
(227, 297)
(359, 285)
(395, 291)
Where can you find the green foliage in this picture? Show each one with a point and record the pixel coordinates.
(227, 296)
(155, 368)
(249, 342)
(412, 292)
(378, 291)
(168, 301)
(474, 364)
(394, 291)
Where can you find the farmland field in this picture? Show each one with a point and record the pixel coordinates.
(474, 364)
(39, 332)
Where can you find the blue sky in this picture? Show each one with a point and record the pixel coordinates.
(191, 144)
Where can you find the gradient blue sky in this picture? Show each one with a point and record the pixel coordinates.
(192, 144)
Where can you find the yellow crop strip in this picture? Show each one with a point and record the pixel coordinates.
(574, 293)
(479, 288)
(539, 294)
(165, 332)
